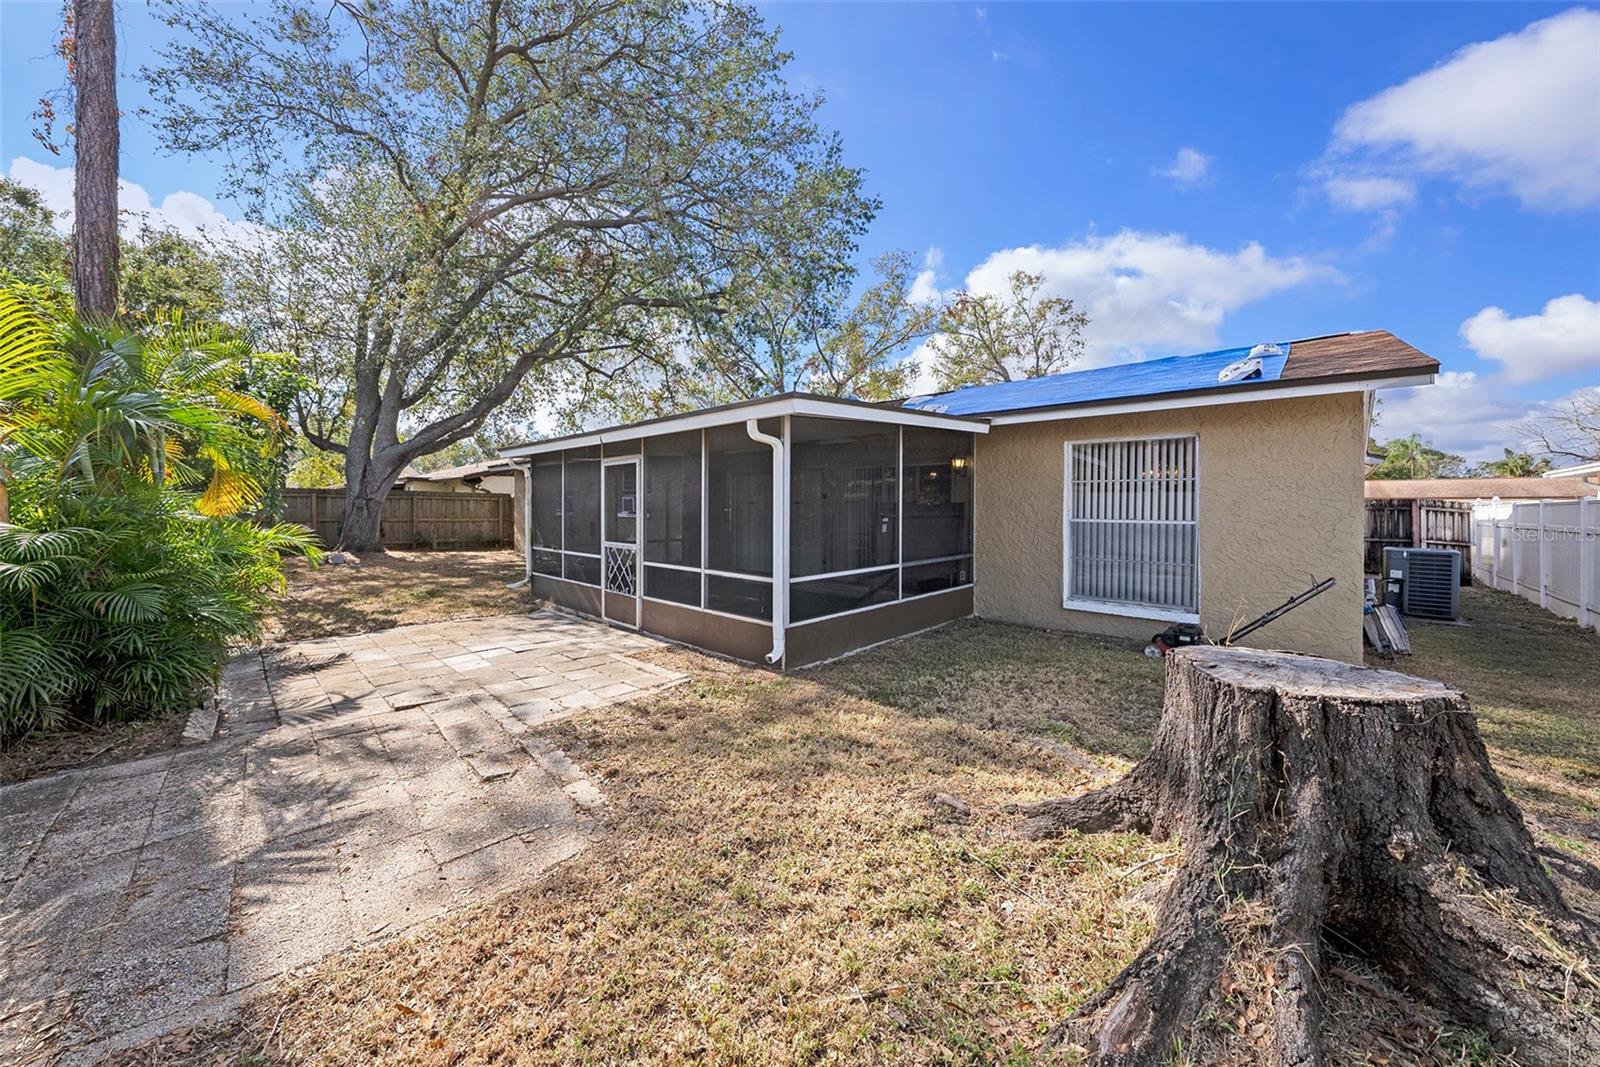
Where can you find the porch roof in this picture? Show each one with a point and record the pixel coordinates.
(807, 404)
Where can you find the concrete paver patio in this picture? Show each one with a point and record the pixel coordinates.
(357, 786)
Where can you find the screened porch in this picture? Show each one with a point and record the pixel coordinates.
(787, 530)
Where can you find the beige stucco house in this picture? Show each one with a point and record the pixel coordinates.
(1117, 500)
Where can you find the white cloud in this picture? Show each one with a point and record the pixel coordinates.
(188, 213)
(1150, 291)
(1520, 113)
(1189, 167)
(1459, 413)
(1563, 338)
(925, 286)
(923, 382)
(1369, 193)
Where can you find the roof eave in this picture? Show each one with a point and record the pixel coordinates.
(761, 408)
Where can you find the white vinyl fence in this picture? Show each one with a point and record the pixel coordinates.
(1545, 550)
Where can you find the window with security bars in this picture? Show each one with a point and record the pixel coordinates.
(1132, 540)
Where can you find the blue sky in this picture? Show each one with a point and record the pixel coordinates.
(1195, 175)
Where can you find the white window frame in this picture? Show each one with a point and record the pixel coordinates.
(1113, 607)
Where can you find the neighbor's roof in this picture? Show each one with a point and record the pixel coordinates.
(1577, 470)
(1348, 357)
(466, 470)
(1477, 488)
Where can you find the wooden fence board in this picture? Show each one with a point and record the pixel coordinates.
(410, 519)
(1418, 524)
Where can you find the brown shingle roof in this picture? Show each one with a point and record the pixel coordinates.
(1478, 488)
(1374, 353)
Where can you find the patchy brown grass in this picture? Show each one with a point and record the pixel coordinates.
(394, 589)
(775, 886)
(1534, 682)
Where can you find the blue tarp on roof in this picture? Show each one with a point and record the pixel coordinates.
(1174, 374)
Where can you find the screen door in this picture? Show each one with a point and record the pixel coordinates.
(621, 540)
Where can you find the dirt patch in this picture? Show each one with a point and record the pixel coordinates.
(72, 749)
(394, 589)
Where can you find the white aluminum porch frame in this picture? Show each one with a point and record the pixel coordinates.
(783, 409)
(812, 407)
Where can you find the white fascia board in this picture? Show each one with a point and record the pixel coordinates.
(822, 409)
(1205, 400)
(736, 416)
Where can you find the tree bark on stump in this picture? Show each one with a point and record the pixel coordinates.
(1331, 802)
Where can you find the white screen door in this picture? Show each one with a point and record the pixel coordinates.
(620, 536)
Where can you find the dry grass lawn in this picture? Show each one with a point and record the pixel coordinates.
(394, 589)
(775, 884)
(1534, 681)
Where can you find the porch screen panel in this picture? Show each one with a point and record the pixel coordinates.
(938, 495)
(843, 478)
(1132, 523)
(545, 535)
(672, 500)
(739, 501)
(581, 516)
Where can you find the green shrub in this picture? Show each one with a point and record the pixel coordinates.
(128, 611)
(125, 569)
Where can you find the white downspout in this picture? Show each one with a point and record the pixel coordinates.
(780, 558)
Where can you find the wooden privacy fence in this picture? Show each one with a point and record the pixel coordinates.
(1418, 524)
(1547, 551)
(411, 520)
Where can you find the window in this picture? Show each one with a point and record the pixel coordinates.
(739, 500)
(672, 501)
(1132, 541)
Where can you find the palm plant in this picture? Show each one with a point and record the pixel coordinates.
(126, 459)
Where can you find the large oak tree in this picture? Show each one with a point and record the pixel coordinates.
(460, 198)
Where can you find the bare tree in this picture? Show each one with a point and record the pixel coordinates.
(92, 65)
(1570, 429)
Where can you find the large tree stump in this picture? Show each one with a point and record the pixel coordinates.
(1316, 802)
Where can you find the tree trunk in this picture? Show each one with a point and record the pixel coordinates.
(363, 514)
(1320, 802)
(96, 146)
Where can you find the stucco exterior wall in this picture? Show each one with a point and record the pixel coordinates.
(519, 511)
(1280, 504)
